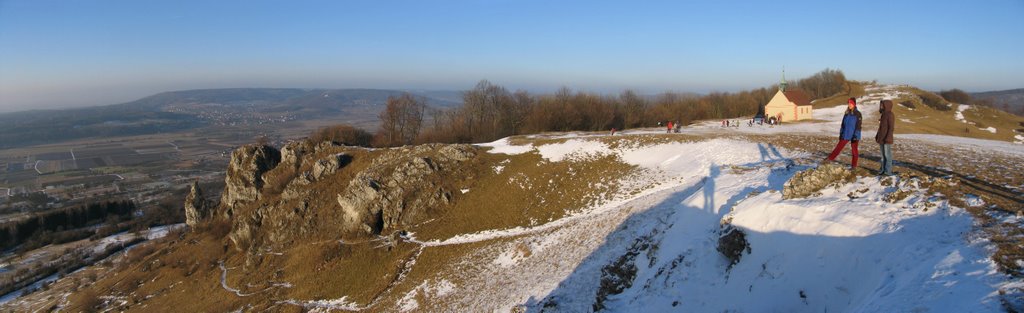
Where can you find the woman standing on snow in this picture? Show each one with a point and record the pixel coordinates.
(849, 131)
(884, 136)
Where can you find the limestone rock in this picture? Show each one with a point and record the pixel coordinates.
(244, 179)
(400, 188)
(292, 153)
(196, 206)
(809, 182)
(329, 165)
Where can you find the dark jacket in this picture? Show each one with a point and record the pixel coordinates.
(885, 123)
(850, 129)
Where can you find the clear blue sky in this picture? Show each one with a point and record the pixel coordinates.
(75, 53)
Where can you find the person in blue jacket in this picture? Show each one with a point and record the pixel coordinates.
(849, 131)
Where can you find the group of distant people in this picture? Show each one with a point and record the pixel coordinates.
(849, 132)
(673, 127)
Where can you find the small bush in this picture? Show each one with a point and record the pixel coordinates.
(908, 104)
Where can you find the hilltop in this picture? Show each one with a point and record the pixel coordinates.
(584, 221)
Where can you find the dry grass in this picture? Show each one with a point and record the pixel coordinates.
(854, 89)
(528, 191)
(925, 119)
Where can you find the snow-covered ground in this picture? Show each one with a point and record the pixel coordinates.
(846, 250)
(1004, 147)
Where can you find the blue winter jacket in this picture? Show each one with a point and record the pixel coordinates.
(850, 129)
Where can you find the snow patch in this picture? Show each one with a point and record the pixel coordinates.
(973, 200)
(575, 148)
(959, 114)
(953, 141)
(503, 146)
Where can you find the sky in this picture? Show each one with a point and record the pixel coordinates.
(70, 53)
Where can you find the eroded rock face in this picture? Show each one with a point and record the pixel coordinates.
(400, 188)
(196, 206)
(809, 182)
(244, 178)
(396, 188)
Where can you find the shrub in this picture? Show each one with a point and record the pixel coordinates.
(344, 134)
(955, 96)
(908, 104)
(934, 101)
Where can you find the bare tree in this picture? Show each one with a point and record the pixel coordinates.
(401, 120)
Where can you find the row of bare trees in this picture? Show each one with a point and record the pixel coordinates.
(490, 112)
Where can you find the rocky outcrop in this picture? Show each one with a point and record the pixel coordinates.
(196, 206)
(292, 153)
(809, 182)
(244, 178)
(329, 165)
(392, 189)
(400, 188)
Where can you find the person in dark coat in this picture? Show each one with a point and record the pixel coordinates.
(849, 131)
(884, 136)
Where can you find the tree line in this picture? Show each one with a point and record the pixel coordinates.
(51, 224)
(491, 112)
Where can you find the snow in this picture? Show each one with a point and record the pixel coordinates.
(959, 114)
(503, 146)
(1018, 139)
(125, 237)
(990, 129)
(574, 148)
(845, 250)
(973, 200)
(844, 254)
(953, 141)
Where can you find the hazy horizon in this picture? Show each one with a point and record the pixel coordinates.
(57, 54)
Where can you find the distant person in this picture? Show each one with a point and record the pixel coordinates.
(613, 131)
(669, 131)
(884, 136)
(849, 131)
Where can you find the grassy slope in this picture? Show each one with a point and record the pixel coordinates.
(926, 120)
